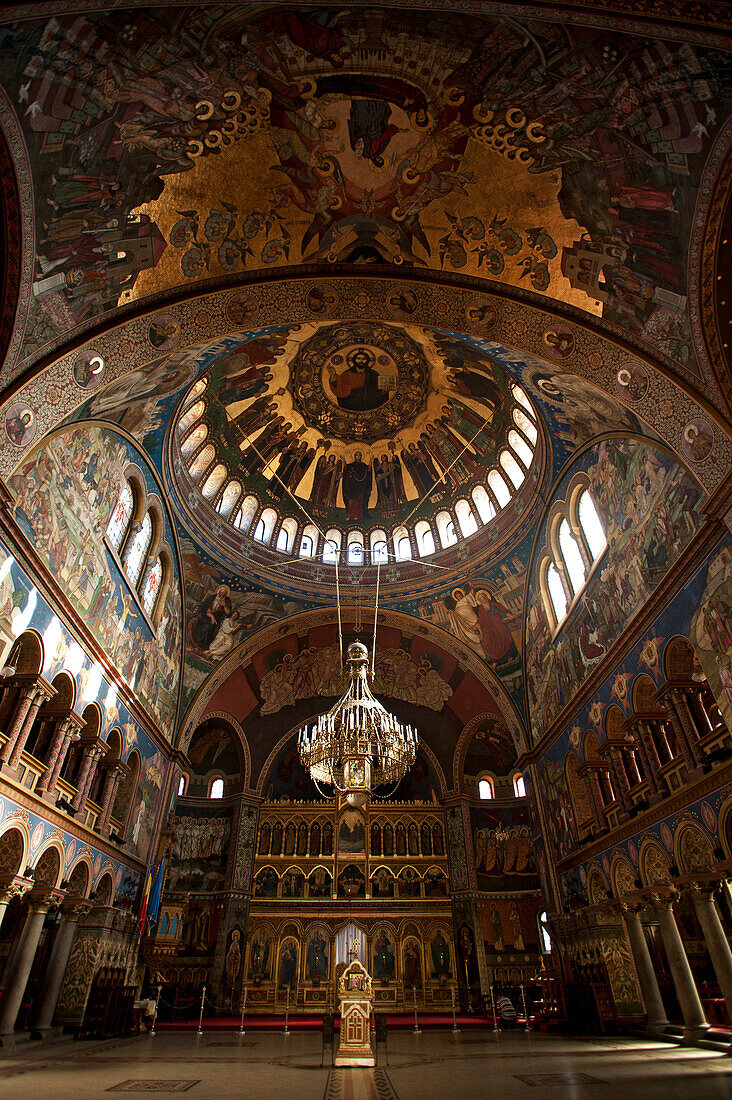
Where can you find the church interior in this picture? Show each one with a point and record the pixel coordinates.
(366, 381)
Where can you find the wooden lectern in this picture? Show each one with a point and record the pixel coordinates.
(355, 994)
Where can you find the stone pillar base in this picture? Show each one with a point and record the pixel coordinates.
(46, 1032)
(693, 1034)
(10, 773)
(49, 796)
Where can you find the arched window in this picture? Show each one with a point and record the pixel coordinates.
(214, 481)
(190, 417)
(216, 788)
(445, 528)
(194, 440)
(151, 585)
(286, 535)
(354, 553)
(425, 538)
(229, 497)
(527, 426)
(499, 488)
(202, 461)
(483, 503)
(522, 399)
(545, 940)
(556, 592)
(137, 547)
(379, 549)
(486, 788)
(309, 541)
(512, 468)
(592, 529)
(572, 556)
(182, 785)
(246, 513)
(521, 447)
(519, 785)
(331, 546)
(402, 545)
(465, 518)
(119, 521)
(265, 526)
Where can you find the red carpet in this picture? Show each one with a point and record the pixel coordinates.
(313, 1023)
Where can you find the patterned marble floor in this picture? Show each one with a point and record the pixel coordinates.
(430, 1066)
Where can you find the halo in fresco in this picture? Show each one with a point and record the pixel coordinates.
(361, 421)
(20, 424)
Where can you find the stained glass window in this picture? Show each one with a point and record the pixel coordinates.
(151, 585)
(119, 521)
(137, 548)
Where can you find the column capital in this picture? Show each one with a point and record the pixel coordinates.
(662, 897)
(42, 898)
(73, 909)
(13, 886)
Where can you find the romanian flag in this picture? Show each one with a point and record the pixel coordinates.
(153, 904)
(145, 900)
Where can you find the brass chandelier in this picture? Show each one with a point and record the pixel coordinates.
(358, 744)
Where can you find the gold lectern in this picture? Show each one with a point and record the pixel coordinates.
(355, 994)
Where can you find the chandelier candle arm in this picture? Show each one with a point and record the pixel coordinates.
(358, 744)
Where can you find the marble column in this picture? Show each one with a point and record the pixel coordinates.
(681, 710)
(14, 888)
(26, 700)
(649, 759)
(714, 936)
(109, 794)
(593, 787)
(695, 1022)
(38, 701)
(50, 779)
(657, 1021)
(86, 775)
(617, 768)
(60, 737)
(21, 964)
(56, 968)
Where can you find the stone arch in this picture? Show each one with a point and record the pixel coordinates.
(654, 864)
(725, 827)
(66, 689)
(591, 748)
(678, 659)
(103, 892)
(622, 876)
(78, 882)
(301, 624)
(463, 744)
(240, 740)
(92, 715)
(48, 867)
(598, 890)
(14, 844)
(26, 655)
(643, 694)
(693, 850)
(115, 741)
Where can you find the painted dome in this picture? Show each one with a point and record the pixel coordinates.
(361, 442)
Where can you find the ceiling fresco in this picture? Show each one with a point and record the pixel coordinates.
(362, 425)
(173, 146)
(325, 268)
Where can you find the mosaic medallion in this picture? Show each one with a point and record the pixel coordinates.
(360, 381)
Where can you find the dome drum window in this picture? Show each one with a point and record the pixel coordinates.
(382, 481)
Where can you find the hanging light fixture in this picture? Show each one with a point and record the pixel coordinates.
(358, 744)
